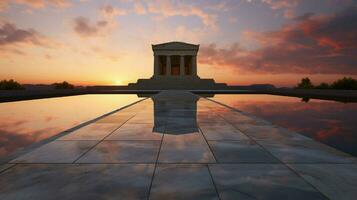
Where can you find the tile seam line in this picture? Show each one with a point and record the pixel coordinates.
(157, 161)
(263, 147)
(204, 137)
(207, 165)
(214, 184)
(4, 170)
(176, 163)
(100, 141)
(289, 168)
(38, 144)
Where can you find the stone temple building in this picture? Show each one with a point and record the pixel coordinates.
(175, 67)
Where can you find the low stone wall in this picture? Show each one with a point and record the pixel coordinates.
(340, 95)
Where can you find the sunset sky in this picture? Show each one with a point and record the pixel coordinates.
(106, 42)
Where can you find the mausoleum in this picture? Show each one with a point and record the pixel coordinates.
(175, 67)
(175, 59)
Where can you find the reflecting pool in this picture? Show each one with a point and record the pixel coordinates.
(24, 122)
(330, 122)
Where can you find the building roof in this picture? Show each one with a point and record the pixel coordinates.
(175, 45)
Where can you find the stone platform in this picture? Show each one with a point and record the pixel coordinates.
(177, 83)
(176, 145)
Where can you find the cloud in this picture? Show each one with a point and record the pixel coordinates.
(164, 9)
(279, 4)
(139, 8)
(288, 6)
(314, 44)
(16, 41)
(36, 3)
(84, 28)
(10, 34)
(110, 11)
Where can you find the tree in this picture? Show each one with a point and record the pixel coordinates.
(63, 85)
(305, 84)
(346, 83)
(10, 85)
(323, 86)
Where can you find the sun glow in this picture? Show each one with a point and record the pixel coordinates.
(118, 82)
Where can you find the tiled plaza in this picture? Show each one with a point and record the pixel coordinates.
(176, 145)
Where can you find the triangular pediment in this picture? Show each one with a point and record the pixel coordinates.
(175, 46)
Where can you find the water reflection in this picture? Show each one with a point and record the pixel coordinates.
(25, 122)
(330, 122)
(179, 113)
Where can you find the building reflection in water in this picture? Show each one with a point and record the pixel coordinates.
(178, 114)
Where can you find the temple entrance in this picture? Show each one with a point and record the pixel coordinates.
(175, 65)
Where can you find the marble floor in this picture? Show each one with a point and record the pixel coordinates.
(176, 145)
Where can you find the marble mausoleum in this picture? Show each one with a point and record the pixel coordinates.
(175, 67)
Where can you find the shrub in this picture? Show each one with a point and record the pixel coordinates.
(63, 85)
(10, 85)
(305, 84)
(346, 83)
(323, 86)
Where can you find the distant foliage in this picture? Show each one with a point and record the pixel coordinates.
(305, 84)
(323, 86)
(10, 85)
(63, 85)
(346, 83)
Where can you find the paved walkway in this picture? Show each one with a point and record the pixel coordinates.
(176, 145)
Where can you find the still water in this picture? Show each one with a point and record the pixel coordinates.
(25, 122)
(330, 122)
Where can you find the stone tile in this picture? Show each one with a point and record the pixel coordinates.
(137, 132)
(182, 182)
(94, 131)
(222, 132)
(34, 182)
(4, 167)
(142, 118)
(240, 118)
(122, 152)
(260, 181)
(336, 181)
(245, 151)
(212, 118)
(269, 132)
(306, 151)
(116, 118)
(185, 148)
(56, 152)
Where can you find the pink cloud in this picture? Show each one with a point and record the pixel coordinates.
(312, 44)
(14, 40)
(84, 28)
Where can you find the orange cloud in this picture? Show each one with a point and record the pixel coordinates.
(110, 11)
(169, 8)
(36, 3)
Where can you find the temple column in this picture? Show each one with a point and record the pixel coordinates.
(182, 65)
(194, 65)
(156, 66)
(168, 65)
